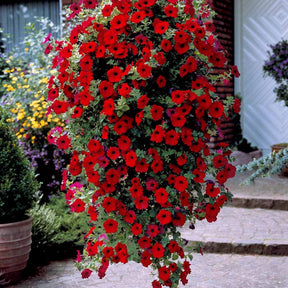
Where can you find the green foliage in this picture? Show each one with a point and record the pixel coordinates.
(45, 226)
(74, 226)
(266, 166)
(17, 181)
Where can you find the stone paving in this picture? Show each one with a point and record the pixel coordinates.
(208, 271)
(238, 230)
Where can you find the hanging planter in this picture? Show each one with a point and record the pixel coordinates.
(133, 79)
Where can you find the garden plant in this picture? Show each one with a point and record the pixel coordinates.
(133, 83)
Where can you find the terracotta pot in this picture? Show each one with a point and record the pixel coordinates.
(277, 148)
(15, 246)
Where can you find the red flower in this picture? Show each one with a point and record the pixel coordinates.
(181, 183)
(144, 70)
(158, 134)
(182, 37)
(234, 71)
(221, 200)
(231, 170)
(164, 217)
(181, 160)
(90, 4)
(181, 48)
(156, 284)
(178, 120)
(156, 112)
(63, 142)
(108, 107)
(141, 202)
(198, 176)
(216, 109)
(136, 190)
(158, 250)
(137, 16)
(105, 132)
(178, 96)
(211, 190)
(161, 196)
(222, 176)
(106, 89)
(157, 165)
(160, 27)
(146, 259)
(178, 220)
(130, 217)
(139, 117)
(109, 204)
(77, 112)
(142, 166)
(124, 143)
(136, 229)
(151, 184)
(171, 137)
(164, 273)
(108, 252)
(160, 58)
(237, 105)
(142, 102)
(59, 107)
(171, 11)
(184, 199)
(166, 45)
(144, 242)
(112, 176)
(110, 226)
(113, 153)
(161, 81)
(78, 206)
(130, 158)
(115, 74)
(219, 161)
(211, 212)
(107, 10)
(124, 90)
(86, 273)
(152, 230)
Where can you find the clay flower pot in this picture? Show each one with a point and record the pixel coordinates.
(15, 246)
(276, 148)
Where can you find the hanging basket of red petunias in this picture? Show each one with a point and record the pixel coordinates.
(134, 81)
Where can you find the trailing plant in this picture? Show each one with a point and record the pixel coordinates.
(133, 80)
(18, 185)
(276, 67)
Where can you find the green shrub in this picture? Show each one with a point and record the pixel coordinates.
(18, 185)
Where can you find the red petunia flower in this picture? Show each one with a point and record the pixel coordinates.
(108, 107)
(130, 217)
(172, 137)
(124, 90)
(109, 204)
(164, 217)
(77, 112)
(142, 102)
(63, 142)
(112, 176)
(144, 70)
(181, 183)
(181, 48)
(108, 252)
(178, 120)
(141, 202)
(216, 109)
(161, 196)
(160, 27)
(212, 191)
(78, 206)
(219, 161)
(157, 165)
(130, 158)
(146, 258)
(152, 230)
(166, 45)
(157, 250)
(59, 107)
(137, 16)
(144, 242)
(86, 273)
(139, 117)
(115, 74)
(136, 229)
(110, 226)
(113, 153)
(222, 176)
(136, 190)
(211, 212)
(178, 96)
(178, 219)
(156, 112)
(198, 176)
(142, 166)
(124, 143)
(161, 81)
(171, 11)
(164, 273)
(234, 71)
(182, 160)
(106, 89)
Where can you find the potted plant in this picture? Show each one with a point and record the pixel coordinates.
(18, 188)
(276, 67)
(133, 80)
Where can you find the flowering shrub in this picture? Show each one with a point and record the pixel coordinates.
(24, 87)
(277, 68)
(133, 81)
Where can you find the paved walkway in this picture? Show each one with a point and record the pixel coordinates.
(208, 271)
(237, 230)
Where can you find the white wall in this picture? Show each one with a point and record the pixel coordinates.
(257, 25)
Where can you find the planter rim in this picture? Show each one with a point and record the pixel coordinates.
(28, 220)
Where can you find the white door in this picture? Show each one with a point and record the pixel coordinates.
(257, 25)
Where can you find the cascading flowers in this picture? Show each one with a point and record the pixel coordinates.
(133, 79)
